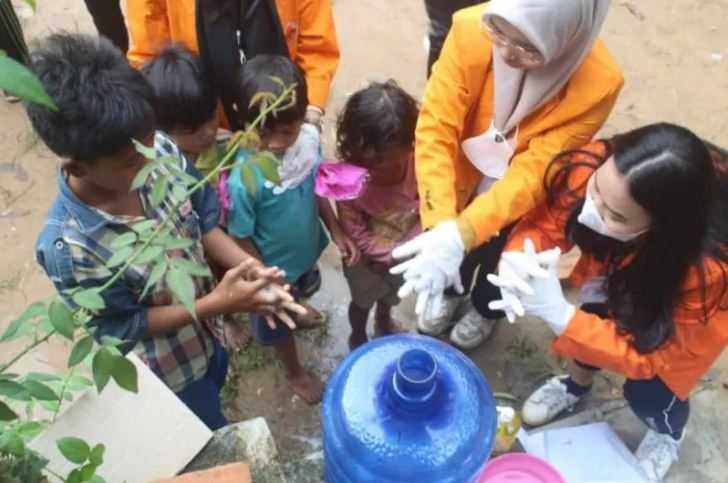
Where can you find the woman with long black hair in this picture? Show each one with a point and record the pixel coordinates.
(648, 211)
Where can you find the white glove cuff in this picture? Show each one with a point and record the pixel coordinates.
(559, 323)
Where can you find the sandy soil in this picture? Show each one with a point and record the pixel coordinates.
(675, 57)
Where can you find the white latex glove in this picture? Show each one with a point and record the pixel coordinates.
(546, 299)
(436, 256)
(515, 269)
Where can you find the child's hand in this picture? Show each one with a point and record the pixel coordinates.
(236, 293)
(274, 274)
(349, 251)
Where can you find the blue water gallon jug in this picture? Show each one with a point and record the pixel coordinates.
(407, 409)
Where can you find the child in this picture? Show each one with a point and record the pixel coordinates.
(185, 104)
(185, 108)
(103, 104)
(280, 224)
(376, 130)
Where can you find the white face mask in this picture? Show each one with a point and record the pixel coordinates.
(590, 218)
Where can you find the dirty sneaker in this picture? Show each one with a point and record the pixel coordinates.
(444, 319)
(657, 452)
(471, 331)
(548, 401)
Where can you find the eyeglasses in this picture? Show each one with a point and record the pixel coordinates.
(527, 53)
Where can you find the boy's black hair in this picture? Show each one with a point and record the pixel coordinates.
(375, 118)
(102, 101)
(185, 94)
(257, 76)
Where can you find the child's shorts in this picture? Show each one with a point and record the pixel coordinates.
(369, 285)
(306, 285)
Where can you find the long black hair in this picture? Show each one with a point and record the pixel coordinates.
(682, 185)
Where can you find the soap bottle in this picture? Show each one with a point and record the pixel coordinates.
(509, 422)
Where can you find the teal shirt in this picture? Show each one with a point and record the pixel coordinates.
(285, 227)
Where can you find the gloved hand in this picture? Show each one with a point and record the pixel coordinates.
(435, 265)
(546, 299)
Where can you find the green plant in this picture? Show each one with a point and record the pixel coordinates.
(147, 244)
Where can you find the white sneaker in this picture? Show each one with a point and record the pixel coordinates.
(449, 312)
(548, 401)
(472, 330)
(657, 452)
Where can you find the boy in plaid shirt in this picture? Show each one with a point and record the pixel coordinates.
(103, 104)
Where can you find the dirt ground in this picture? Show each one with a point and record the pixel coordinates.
(675, 58)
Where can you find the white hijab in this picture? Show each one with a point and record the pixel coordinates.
(563, 31)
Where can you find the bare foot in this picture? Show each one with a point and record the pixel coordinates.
(235, 335)
(312, 319)
(355, 340)
(307, 386)
(388, 326)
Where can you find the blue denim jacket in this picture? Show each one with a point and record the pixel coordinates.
(73, 249)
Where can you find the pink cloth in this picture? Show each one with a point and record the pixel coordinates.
(340, 181)
(382, 217)
(224, 196)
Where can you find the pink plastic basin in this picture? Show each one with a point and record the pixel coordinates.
(519, 468)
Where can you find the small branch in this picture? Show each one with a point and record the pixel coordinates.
(63, 393)
(26, 350)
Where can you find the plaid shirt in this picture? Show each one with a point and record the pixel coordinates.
(74, 247)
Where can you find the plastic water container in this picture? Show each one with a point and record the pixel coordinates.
(407, 408)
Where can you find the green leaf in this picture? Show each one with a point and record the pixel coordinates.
(16, 327)
(141, 177)
(179, 192)
(183, 288)
(109, 340)
(155, 276)
(173, 243)
(62, 319)
(97, 479)
(102, 366)
(146, 151)
(88, 471)
(149, 254)
(6, 414)
(43, 377)
(16, 79)
(268, 164)
(193, 268)
(125, 374)
(40, 391)
(14, 390)
(159, 191)
(120, 256)
(79, 383)
(50, 406)
(89, 299)
(32, 4)
(73, 449)
(74, 476)
(80, 350)
(247, 176)
(30, 429)
(123, 240)
(97, 454)
(144, 226)
(11, 443)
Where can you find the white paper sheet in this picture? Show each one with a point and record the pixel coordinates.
(592, 453)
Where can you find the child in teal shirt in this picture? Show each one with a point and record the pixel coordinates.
(281, 223)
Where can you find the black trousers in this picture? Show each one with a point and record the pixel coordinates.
(109, 21)
(11, 35)
(650, 399)
(440, 14)
(476, 265)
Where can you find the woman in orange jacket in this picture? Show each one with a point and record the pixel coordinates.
(647, 209)
(516, 83)
(221, 33)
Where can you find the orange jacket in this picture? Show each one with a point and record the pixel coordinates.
(682, 360)
(458, 104)
(308, 26)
